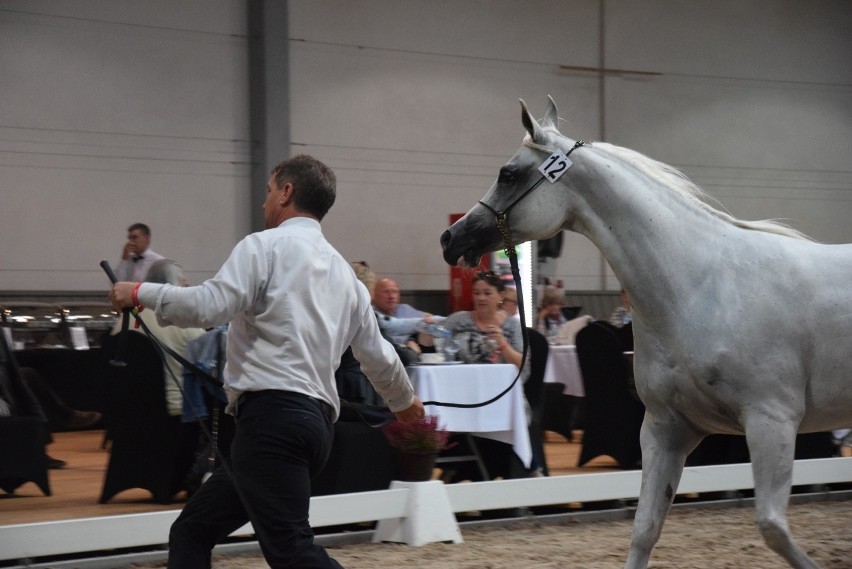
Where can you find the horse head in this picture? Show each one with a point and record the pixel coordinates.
(529, 213)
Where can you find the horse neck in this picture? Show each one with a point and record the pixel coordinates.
(658, 243)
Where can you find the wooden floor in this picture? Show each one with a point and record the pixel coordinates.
(76, 487)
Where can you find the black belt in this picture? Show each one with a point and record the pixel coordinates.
(246, 396)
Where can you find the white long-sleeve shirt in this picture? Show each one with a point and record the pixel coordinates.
(294, 305)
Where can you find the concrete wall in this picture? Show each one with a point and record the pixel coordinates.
(117, 111)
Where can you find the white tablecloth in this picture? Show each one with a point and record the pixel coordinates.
(504, 420)
(563, 367)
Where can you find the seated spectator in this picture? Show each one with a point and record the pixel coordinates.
(165, 271)
(550, 316)
(622, 315)
(486, 334)
(353, 387)
(510, 302)
(386, 300)
(387, 305)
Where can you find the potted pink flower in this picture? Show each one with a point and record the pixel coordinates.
(416, 445)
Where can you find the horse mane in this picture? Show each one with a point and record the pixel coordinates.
(678, 182)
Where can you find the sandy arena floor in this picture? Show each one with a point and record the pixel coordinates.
(725, 538)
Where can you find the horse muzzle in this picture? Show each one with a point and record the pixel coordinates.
(465, 242)
(453, 255)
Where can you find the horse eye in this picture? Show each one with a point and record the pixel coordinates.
(507, 175)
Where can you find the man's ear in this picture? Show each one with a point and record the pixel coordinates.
(286, 197)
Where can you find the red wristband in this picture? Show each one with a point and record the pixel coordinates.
(135, 298)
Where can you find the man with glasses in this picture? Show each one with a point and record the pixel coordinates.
(510, 302)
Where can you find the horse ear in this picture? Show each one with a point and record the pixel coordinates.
(551, 117)
(531, 124)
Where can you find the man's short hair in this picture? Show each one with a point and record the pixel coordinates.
(314, 184)
(141, 227)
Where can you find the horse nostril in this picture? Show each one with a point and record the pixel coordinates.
(445, 239)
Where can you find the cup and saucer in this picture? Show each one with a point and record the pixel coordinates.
(434, 359)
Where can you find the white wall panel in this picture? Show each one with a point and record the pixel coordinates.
(417, 125)
(752, 100)
(533, 31)
(118, 111)
(112, 113)
(771, 40)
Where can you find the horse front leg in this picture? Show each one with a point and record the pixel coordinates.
(772, 446)
(665, 446)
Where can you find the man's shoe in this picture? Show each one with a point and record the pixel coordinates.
(55, 463)
(83, 419)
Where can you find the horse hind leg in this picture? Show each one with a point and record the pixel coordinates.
(664, 450)
(772, 448)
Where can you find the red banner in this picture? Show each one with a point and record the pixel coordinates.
(461, 280)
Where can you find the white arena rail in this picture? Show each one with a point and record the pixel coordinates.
(409, 512)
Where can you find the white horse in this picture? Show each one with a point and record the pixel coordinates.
(740, 327)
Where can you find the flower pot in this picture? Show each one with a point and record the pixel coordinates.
(415, 467)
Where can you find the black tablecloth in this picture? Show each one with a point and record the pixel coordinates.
(73, 374)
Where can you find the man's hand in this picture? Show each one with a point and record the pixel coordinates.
(414, 412)
(121, 295)
(129, 251)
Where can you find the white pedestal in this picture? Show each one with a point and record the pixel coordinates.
(429, 518)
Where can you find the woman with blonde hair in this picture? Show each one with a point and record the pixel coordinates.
(366, 275)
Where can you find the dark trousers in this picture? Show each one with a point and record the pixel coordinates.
(282, 440)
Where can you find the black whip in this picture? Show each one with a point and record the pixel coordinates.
(121, 348)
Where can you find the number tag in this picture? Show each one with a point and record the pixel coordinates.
(554, 166)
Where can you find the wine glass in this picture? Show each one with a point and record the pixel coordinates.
(450, 349)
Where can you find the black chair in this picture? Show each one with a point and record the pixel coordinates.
(24, 433)
(612, 412)
(361, 460)
(562, 413)
(534, 392)
(571, 312)
(150, 448)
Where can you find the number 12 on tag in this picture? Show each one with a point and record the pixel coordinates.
(554, 166)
